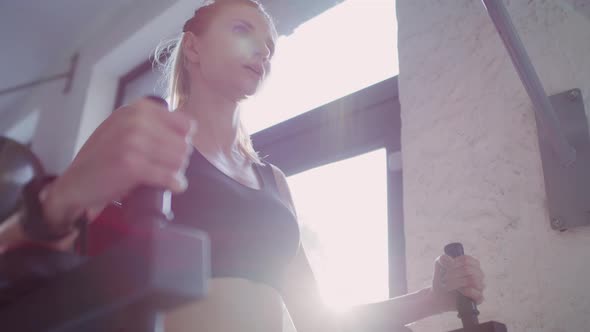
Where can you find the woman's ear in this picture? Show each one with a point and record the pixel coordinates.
(190, 47)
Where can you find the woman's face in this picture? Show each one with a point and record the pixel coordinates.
(233, 55)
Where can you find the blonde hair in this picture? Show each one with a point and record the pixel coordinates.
(169, 57)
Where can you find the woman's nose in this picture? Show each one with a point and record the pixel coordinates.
(263, 51)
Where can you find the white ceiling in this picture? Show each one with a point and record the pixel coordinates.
(35, 33)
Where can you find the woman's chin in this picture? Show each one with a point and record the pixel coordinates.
(243, 95)
(248, 90)
(245, 89)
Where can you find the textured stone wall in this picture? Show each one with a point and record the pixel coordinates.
(472, 168)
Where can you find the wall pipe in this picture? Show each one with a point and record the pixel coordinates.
(546, 118)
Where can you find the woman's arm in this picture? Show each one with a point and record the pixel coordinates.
(115, 159)
(391, 314)
(302, 297)
(309, 313)
(12, 234)
(58, 210)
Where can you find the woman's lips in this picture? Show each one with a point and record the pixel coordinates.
(253, 71)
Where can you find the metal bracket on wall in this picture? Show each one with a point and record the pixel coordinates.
(568, 187)
(563, 132)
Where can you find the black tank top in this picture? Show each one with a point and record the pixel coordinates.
(253, 233)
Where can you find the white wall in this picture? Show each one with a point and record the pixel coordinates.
(21, 131)
(118, 44)
(472, 169)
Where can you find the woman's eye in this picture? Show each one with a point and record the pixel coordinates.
(240, 28)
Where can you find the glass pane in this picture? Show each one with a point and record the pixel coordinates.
(342, 209)
(347, 48)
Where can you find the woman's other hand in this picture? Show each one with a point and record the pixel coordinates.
(462, 274)
(139, 144)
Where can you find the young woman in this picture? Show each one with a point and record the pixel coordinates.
(202, 153)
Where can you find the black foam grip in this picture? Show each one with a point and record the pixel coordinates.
(454, 249)
(465, 306)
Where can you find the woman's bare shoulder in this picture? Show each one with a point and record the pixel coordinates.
(283, 186)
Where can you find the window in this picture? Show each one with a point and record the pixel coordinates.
(345, 49)
(342, 210)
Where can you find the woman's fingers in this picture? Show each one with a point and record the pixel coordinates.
(168, 150)
(147, 173)
(179, 122)
(451, 284)
(467, 260)
(442, 264)
(445, 261)
(175, 182)
(465, 276)
(474, 294)
(156, 145)
(461, 272)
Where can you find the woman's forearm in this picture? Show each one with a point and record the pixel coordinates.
(59, 208)
(55, 210)
(393, 313)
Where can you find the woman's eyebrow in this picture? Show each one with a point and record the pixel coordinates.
(245, 22)
(252, 27)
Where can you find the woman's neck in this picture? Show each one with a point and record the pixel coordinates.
(218, 120)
